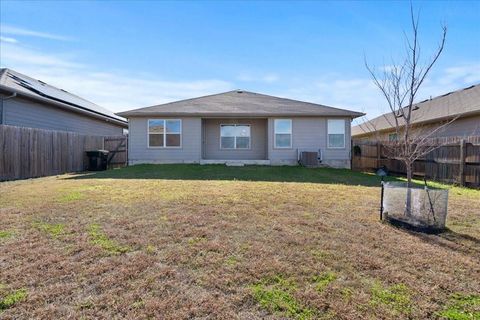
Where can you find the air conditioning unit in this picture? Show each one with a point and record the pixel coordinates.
(308, 158)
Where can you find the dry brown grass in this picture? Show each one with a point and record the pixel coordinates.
(225, 249)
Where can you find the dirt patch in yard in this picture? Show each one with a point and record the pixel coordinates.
(119, 247)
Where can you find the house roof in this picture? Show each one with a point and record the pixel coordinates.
(239, 103)
(460, 103)
(21, 84)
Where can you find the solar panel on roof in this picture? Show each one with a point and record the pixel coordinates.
(22, 83)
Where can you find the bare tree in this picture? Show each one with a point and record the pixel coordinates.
(399, 84)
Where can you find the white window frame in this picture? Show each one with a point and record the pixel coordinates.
(392, 137)
(275, 134)
(235, 137)
(164, 134)
(344, 134)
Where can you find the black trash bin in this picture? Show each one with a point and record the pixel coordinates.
(97, 160)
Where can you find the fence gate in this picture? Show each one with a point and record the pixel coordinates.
(118, 154)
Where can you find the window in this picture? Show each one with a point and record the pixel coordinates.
(283, 133)
(336, 133)
(164, 133)
(234, 136)
(392, 137)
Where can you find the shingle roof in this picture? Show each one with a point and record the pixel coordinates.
(457, 103)
(17, 82)
(240, 103)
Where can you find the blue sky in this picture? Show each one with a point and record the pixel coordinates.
(129, 54)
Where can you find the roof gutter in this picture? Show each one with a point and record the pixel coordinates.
(232, 115)
(65, 106)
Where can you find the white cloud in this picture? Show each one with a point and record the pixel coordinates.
(252, 77)
(113, 90)
(121, 91)
(360, 94)
(11, 30)
(7, 39)
(14, 54)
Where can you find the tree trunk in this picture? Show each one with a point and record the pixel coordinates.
(408, 203)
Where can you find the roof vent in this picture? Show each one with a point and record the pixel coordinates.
(239, 91)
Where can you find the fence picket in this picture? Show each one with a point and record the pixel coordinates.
(457, 160)
(31, 152)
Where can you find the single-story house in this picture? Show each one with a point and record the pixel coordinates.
(463, 106)
(239, 127)
(27, 102)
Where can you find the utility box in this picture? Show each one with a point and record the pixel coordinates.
(97, 160)
(309, 159)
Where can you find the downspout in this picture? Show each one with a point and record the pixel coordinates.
(2, 112)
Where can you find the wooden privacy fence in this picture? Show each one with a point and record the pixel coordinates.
(456, 160)
(30, 152)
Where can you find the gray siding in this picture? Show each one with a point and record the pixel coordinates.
(28, 113)
(310, 134)
(258, 140)
(461, 127)
(468, 126)
(189, 152)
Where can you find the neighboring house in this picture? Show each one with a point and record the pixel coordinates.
(239, 126)
(463, 106)
(27, 102)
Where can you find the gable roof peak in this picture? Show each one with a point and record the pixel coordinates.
(240, 103)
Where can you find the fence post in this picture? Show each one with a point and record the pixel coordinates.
(461, 171)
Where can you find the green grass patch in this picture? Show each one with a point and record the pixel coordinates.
(195, 240)
(232, 261)
(150, 249)
(246, 173)
(12, 298)
(276, 295)
(99, 238)
(5, 234)
(256, 173)
(321, 254)
(54, 230)
(347, 293)
(396, 298)
(71, 196)
(462, 307)
(323, 280)
(138, 304)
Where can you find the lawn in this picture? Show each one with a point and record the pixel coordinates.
(188, 241)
